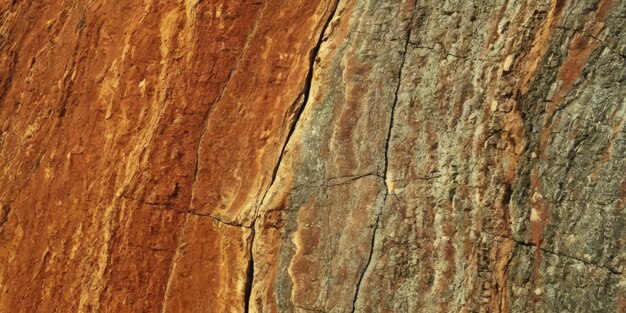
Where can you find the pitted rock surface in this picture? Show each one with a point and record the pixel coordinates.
(313, 156)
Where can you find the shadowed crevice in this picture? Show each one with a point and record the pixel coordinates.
(562, 255)
(304, 97)
(387, 151)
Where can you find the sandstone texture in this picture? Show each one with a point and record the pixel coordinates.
(313, 156)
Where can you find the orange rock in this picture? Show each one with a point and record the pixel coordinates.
(299, 156)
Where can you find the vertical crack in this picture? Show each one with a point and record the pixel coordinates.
(306, 91)
(369, 260)
(244, 49)
(387, 151)
(395, 98)
(531, 245)
(305, 94)
(249, 273)
(183, 229)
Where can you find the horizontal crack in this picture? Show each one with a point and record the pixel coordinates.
(600, 41)
(342, 180)
(528, 244)
(166, 204)
(588, 263)
(217, 219)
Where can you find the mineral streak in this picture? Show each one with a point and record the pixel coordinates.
(313, 156)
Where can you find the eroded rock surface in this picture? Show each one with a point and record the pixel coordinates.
(313, 156)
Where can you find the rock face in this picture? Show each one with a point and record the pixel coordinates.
(313, 156)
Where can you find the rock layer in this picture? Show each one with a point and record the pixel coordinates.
(313, 156)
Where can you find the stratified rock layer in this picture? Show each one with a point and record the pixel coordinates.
(313, 156)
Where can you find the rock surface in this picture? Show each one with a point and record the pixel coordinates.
(313, 156)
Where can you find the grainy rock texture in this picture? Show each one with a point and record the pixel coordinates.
(313, 156)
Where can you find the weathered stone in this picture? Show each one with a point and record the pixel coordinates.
(313, 156)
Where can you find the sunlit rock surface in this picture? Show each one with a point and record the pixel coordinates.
(313, 156)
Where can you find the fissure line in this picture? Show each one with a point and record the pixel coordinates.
(183, 227)
(387, 148)
(305, 94)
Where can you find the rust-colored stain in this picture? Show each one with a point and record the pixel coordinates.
(320, 156)
(133, 111)
(621, 305)
(540, 43)
(581, 47)
(501, 255)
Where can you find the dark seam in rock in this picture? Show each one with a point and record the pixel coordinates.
(247, 294)
(220, 221)
(219, 98)
(528, 244)
(600, 41)
(197, 150)
(305, 94)
(282, 151)
(337, 181)
(387, 146)
(533, 246)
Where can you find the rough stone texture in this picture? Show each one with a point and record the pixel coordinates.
(313, 156)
